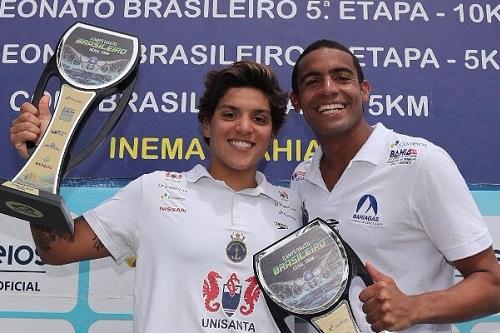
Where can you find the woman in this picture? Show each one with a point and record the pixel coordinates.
(194, 233)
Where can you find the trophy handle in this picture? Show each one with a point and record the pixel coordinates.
(109, 125)
(278, 317)
(357, 266)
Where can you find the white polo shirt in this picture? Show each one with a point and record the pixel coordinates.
(402, 204)
(194, 239)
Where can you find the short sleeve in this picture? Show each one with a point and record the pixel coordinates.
(443, 205)
(116, 220)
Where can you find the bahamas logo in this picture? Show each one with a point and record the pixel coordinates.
(367, 211)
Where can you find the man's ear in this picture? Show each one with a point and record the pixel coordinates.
(295, 102)
(365, 90)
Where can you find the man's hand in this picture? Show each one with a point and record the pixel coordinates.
(385, 306)
(30, 125)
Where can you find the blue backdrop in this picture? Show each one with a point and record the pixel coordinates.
(433, 65)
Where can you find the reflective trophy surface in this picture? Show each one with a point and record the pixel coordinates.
(91, 63)
(308, 274)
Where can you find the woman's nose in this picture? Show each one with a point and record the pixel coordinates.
(244, 125)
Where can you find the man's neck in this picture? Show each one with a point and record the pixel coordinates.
(338, 151)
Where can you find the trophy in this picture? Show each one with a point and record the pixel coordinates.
(91, 63)
(308, 274)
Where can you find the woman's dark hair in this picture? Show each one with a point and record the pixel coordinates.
(243, 74)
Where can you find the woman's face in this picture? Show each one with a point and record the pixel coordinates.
(240, 131)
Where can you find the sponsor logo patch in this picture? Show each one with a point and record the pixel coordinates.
(233, 296)
(299, 175)
(367, 211)
(280, 226)
(402, 156)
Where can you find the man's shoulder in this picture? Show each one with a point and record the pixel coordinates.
(399, 140)
(403, 143)
(415, 151)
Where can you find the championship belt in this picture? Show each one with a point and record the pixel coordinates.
(308, 274)
(91, 63)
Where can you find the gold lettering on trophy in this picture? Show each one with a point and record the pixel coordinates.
(339, 320)
(72, 99)
(42, 169)
(21, 187)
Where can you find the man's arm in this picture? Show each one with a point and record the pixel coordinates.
(58, 248)
(477, 295)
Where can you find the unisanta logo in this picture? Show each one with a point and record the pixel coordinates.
(230, 294)
(367, 211)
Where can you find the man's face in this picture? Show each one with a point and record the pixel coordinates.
(329, 93)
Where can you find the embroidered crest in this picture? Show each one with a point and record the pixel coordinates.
(236, 250)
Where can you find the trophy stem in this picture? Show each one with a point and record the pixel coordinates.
(43, 168)
(338, 320)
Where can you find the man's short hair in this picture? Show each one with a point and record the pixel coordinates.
(329, 44)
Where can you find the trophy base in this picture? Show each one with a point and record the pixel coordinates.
(43, 208)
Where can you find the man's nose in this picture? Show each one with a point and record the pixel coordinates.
(329, 86)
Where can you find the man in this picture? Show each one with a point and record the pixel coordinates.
(194, 233)
(410, 215)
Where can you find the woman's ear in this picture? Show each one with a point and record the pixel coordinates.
(205, 128)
